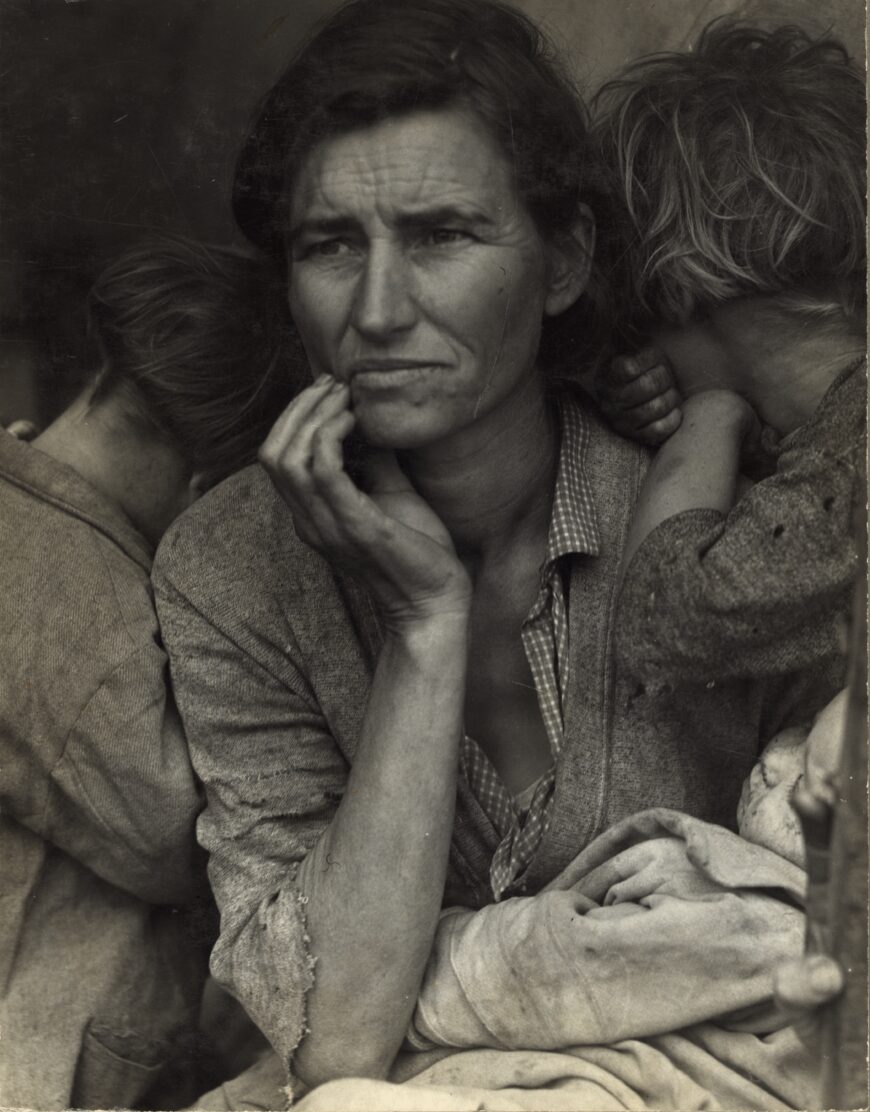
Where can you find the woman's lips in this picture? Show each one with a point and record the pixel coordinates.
(390, 373)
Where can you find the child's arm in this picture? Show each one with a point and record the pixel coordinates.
(761, 590)
(697, 467)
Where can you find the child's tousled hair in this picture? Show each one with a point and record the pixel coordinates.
(734, 170)
(198, 342)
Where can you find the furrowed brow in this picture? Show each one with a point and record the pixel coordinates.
(322, 226)
(444, 215)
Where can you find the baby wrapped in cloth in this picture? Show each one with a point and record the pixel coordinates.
(640, 978)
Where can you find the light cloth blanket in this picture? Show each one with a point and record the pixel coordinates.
(663, 921)
(640, 978)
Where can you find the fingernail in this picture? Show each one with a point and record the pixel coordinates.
(322, 380)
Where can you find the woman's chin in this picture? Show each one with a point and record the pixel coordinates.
(401, 427)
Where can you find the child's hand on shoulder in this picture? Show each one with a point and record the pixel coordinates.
(639, 397)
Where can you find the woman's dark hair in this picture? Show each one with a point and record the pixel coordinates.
(379, 59)
(199, 343)
(735, 170)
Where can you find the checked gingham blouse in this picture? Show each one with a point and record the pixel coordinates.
(520, 821)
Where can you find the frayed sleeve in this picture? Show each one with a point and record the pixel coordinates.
(273, 776)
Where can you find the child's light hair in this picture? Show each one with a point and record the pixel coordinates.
(735, 170)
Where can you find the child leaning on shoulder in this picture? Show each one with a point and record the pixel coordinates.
(736, 174)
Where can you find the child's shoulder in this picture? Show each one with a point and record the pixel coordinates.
(839, 425)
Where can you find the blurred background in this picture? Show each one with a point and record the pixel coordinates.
(123, 117)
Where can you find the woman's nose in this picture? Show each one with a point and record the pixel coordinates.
(383, 302)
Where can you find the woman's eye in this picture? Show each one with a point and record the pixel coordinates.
(326, 248)
(444, 237)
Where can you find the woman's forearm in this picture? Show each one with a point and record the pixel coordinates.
(374, 882)
(697, 467)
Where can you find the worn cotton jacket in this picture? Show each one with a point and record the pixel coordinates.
(99, 971)
(272, 655)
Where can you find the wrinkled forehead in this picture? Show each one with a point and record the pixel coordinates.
(421, 159)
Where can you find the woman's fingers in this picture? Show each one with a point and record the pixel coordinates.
(392, 492)
(305, 459)
(339, 508)
(327, 457)
(802, 986)
(808, 982)
(303, 415)
(299, 408)
(389, 537)
(287, 454)
(287, 451)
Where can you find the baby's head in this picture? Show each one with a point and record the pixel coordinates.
(765, 814)
(737, 170)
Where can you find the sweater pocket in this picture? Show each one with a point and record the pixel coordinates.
(116, 1076)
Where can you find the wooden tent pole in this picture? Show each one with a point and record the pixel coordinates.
(844, 1031)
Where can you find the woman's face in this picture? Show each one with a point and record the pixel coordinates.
(418, 277)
